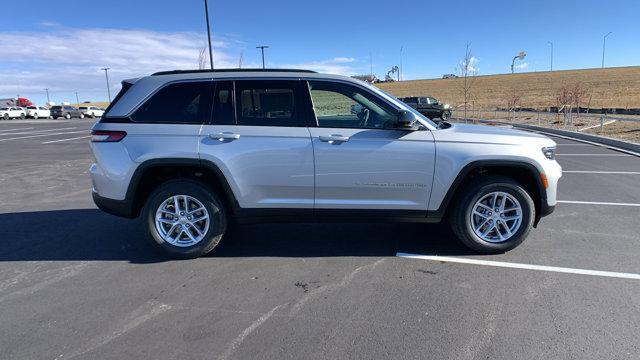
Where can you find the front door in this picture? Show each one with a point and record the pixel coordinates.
(362, 161)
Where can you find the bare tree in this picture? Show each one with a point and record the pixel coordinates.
(202, 58)
(467, 72)
(578, 93)
(568, 98)
(513, 103)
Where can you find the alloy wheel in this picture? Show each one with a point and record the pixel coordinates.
(496, 217)
(182, 220)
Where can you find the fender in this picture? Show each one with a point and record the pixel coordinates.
(438, 214)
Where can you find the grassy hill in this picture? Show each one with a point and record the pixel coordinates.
(609, 87)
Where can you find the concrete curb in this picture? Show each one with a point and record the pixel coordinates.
(615, 144)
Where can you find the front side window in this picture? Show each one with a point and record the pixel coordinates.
(268, 103)
(179, 103)
(347, 106)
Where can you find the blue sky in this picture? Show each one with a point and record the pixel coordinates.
(63, 44)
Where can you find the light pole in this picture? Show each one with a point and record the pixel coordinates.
(262, 47)
(604, 43)
(106, 75)
(520, 56)
(206, 11)
(400, 72)
(47, 90)
(77, 101)
(551, 43)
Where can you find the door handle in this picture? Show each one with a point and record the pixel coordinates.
(334, 139)
(224, 136)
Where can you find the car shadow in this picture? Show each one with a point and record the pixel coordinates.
(90, 234)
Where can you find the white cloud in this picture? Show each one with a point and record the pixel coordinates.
(66, 60)
(522, 66)
(337, 65)
(70, 59)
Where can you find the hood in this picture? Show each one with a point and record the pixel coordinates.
(491, 135)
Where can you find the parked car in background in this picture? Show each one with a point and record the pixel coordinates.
(12, 112)
(91, 111)
(449, 76)
(66, 111)
(429, 107)
(38, 112)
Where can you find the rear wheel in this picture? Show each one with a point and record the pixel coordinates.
(185, 218)
(493, 215)
(22, 116)
(5, 116)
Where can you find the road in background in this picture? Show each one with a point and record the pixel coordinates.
(79, 283)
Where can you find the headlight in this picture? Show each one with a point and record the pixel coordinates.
(549, 152)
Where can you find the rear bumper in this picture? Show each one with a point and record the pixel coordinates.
(123, 208)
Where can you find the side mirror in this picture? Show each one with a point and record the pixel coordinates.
(407, 121)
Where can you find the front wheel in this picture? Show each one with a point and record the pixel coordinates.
(446, 115)
(23, 116)
(81, 116)
(5, 116)
(67, 116)
(493, 215)
(185, 218)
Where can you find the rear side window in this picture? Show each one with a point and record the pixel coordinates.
(125, 87)
(269, 103)
(180, 103)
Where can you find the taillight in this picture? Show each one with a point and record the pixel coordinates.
(107, 136)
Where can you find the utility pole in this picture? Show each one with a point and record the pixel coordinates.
(77, 101)
(604, 43)
(47, 90)
(206, 11)
(106, 75)
(400, 72)
(262, 47)
(551, 43)
(371, 67)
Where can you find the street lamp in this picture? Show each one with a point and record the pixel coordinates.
(551, 43)
(520, 56)
(77, 101)
(106, 75)
(604, 43)
(262, 47)
(47, 90)
(206, 11)
(400, 72)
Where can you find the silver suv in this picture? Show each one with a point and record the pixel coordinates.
(195, 151)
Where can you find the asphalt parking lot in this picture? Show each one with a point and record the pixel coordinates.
(78, 283)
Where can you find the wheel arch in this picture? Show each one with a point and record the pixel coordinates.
(527, 174)
(151, 173)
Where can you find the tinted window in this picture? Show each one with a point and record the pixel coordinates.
(268, 103)
(56, 107)
(347, 106)
(32, 107)
(223, 112)
(186, 103)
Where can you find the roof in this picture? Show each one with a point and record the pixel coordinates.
(173, 72)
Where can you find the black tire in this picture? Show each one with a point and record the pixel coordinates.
(460, 217)
(210, 200)
(22, 116)
(81, 116)
(35, 116)
(446, 115)
(67, 116)
(5, 116)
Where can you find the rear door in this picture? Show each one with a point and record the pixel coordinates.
(258, 138)
(362, 161)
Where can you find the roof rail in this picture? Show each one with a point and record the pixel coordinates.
(172, 72)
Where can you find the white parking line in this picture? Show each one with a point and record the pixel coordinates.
(600, 172)
(36, 131)
(501, 264)
(593, 155)
(596, 203)
(49, 134)
(75, 138)
(5, 130)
